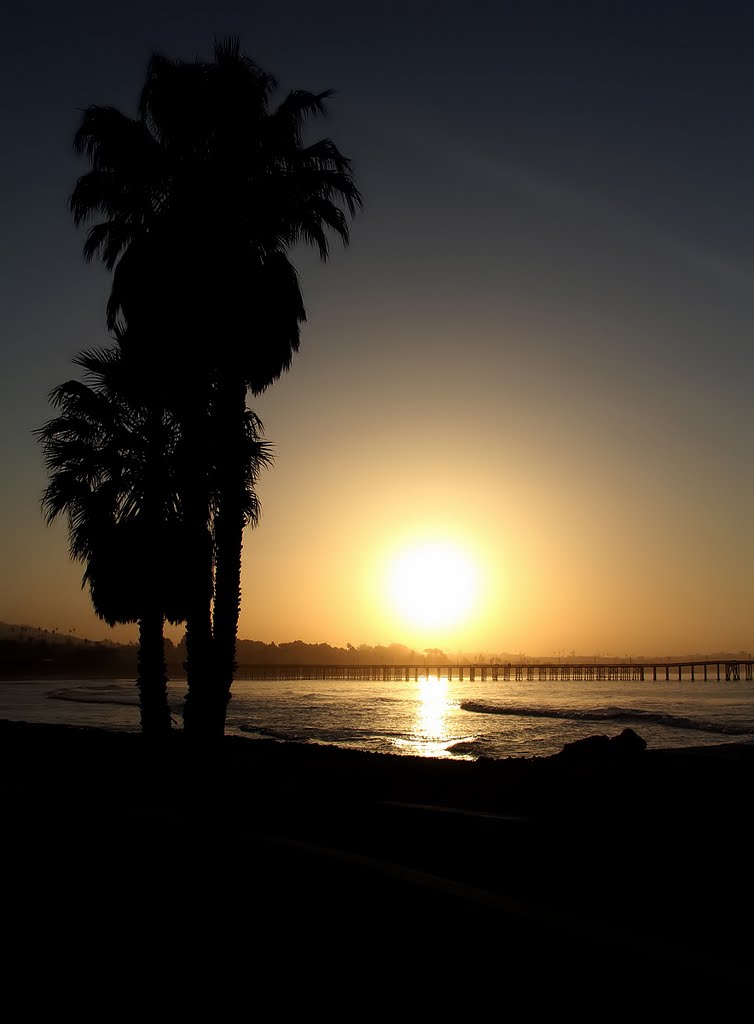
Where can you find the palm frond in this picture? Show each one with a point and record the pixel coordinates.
(111, 141)
(285, 125)
(112, 475)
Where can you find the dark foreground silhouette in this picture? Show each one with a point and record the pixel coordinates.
(290, 874)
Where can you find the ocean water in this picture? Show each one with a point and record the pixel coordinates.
(429, 717)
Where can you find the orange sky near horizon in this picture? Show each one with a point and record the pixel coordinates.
(609, 551)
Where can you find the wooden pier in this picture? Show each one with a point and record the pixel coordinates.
(702, 671)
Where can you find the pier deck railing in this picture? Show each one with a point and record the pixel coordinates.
(718, 670)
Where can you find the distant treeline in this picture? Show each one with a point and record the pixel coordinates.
(297, 652)
(28, 652)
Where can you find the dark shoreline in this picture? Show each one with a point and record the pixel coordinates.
(634, 863)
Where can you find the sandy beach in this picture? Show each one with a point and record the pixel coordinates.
(284, 860)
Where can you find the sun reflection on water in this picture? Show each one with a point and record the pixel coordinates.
(432, 708)
(431, 732)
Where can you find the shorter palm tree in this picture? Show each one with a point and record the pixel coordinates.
(110, 455)
(124, 471)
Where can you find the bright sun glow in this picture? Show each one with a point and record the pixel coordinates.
(433, 584)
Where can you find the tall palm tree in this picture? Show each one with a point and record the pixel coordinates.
(198, 202)
(110, 456)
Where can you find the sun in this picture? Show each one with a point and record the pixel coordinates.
(433, 584)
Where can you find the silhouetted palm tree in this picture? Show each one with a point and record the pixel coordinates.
(111, 464)
(119, 470)
(199, 200)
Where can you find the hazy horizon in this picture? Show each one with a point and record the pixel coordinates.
(492, 655)
(535, 355)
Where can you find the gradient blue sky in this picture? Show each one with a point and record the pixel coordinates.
(537, 346)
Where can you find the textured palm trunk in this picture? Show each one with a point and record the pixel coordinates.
(199, 645)
(152, 670)
(229, 528)
(229, 539)
(199, 671)
(200, 674)
(152, 676)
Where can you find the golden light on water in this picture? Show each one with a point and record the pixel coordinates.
(429, 732)
(433, 707)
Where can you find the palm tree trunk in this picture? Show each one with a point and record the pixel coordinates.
(152, 676)
(229, 542)
(152, 670)
(229, 527)
(200, 670)
(199, 646)
(229, 547)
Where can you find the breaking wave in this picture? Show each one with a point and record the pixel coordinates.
(608, 715)
(105, 693)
